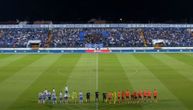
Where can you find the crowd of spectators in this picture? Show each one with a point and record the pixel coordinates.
(19, 38)
(66, 38)
(120, 37)
(109, 37)
(174, 37)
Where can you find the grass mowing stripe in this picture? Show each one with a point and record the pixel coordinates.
(142, 79)
(14, 86)
(69, 66)
(185, 58)
(175, 82)
(16, 65)
(181, 66)
(54, 77)
(10, 59)
(3, 56)
(83, 78)
(113, 78)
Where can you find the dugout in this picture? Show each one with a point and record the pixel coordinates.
(34, 44)
(158, 43)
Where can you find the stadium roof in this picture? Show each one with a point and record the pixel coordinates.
(81, 11)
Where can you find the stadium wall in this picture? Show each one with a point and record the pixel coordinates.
(91, 50)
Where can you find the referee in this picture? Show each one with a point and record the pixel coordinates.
(96, 96)
(88, 97)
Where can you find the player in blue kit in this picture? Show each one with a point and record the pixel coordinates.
(44, 96)
(81, 97)
(54, 98)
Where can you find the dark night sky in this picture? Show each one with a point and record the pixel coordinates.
(75, 10)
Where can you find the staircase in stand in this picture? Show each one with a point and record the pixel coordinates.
(48, 41)
(143, 38)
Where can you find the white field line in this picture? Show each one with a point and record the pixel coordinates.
(97, 75)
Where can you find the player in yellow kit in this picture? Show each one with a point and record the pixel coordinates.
(114, 97)
(74, 96)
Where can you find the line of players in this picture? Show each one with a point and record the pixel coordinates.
(110, 97)
(128, 97)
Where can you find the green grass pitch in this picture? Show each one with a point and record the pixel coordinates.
(23, 76)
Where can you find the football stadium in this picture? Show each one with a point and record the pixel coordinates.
(96, 67)
(96, 55)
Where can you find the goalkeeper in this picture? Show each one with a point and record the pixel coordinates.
(74, 96)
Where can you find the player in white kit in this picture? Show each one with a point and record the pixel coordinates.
(40, 98)
(54, 98)
(61, 97)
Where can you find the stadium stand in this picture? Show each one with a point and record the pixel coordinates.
(108, 37)
(18, 38)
